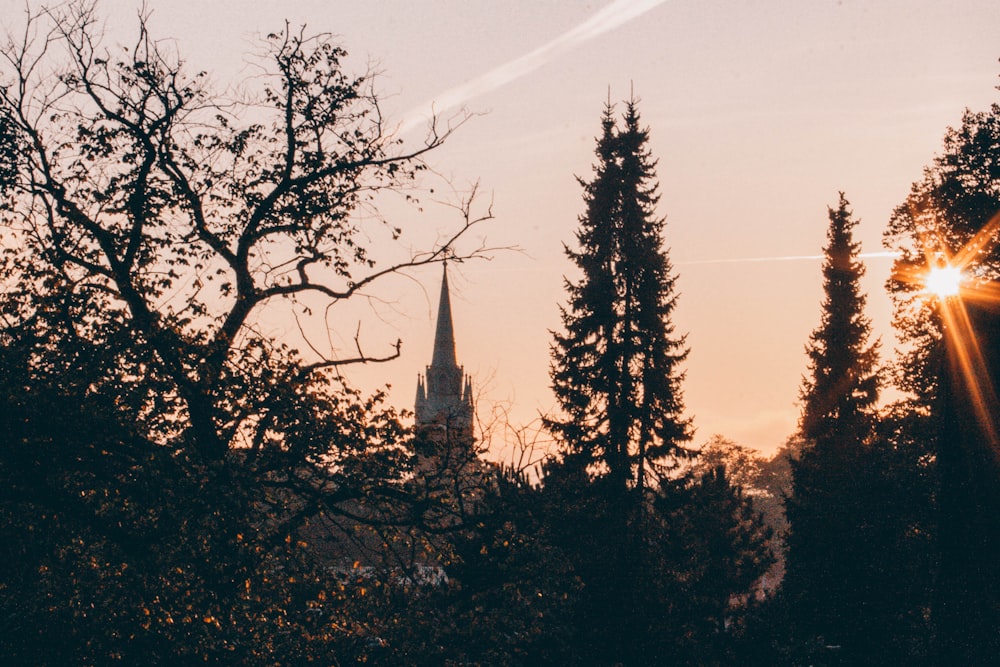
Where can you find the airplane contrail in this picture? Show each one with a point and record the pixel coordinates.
(608, 18)
(786, 258)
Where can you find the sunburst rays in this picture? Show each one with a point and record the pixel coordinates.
(958, 283)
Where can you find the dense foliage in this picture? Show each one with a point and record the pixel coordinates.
(950, 367)
(178, 487)
(166, 465)
(889, 540)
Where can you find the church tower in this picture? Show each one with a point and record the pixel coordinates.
(444, 406)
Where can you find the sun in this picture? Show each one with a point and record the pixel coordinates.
(944, 281)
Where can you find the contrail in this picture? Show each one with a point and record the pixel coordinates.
(786, 258)
(608, 18)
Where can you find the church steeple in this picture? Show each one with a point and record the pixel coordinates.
(444, 336)
(444, 393)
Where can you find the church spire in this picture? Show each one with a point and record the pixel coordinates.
(444, 393)
(444, 336)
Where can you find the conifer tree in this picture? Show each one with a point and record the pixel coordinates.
(615, 373)
(642, 537)
(825, 582)
(616, 369)
(840, 396)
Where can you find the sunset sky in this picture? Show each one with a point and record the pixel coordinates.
(759, 111)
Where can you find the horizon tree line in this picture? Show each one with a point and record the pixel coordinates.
(165, 465)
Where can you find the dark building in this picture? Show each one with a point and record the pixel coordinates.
(444, 407)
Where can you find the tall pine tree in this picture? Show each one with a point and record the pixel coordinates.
(616, 369)
(616, 375)
(839, 399)
(645, 541)
(826, 581)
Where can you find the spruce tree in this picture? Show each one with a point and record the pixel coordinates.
(616, 375)
(826, 581)
(840, 395)
(616, 369)
(644, 539)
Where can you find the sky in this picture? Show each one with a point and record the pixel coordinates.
(760, 112)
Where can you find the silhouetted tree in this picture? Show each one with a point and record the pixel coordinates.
(664, 558)
(764, 482)
(841, 392)
(955, 200)
(951, 215)
(827, 582)
(148, 224)
(616, 370)
(616, 375)
(742, 464)
(511, 594)
(121, 550)
(171, 217)
(710, 532)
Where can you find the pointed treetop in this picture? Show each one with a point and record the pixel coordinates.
(444, 337)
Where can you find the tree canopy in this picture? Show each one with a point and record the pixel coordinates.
(951, 218)
(177, 458)
(165, 216)
(828, 579)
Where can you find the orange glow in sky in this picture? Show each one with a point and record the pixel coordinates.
(759, 114)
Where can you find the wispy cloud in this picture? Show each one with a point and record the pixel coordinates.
(608, 18)
(784, 258)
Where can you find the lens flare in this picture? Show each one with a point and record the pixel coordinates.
(967, 361)
(957, 286)
(944, 281)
